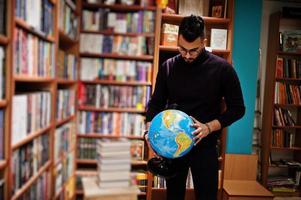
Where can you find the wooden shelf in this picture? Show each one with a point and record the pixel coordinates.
(288, 79)
(117, 7)
(176, 19)
(66, 81)
(79, 192)
(118, 56)
(110, 32)
(287, 194)
(2, 164)
(4, 40)
(21, 23)
(65, 39)
(286, 148)
(287, 105)
(63, 121)
(286, 127)
(289, 53)
(32, 79)
(100, 135)
(92, 108)
(113, 82)
(175, 50)
(86, 161)
(29, 183)
(3, 103)
(86, 173)
(30, 137)
(139, 163)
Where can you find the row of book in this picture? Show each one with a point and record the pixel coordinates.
(2, 72)
(36, 13)
(67, 65)
(113, 96)
(33, 56)
(30, 112)
(288, 67)
(87, 149)
(115, 69)
(64, 140)
(282, 138)
(28, 159)
(287, 93)
(3, 17)
(283, 117)
(123, 45)
(284, 183)
(68, 22)
(63, 171)
(124, 2)
(111, 123)
(65, 103)
(118, 22)
(39, 189)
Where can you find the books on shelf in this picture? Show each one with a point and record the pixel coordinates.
(65, 103)
(3, 17)
(113, 153)
(67, 65)
(115, 69)
(169, 35)
(218, 39)
(86, 148)
(195, 7)
(288, 67)
(33, 56)
(28, 159)
(68, 22)
(137, 150)
(287, 93)
(30, 112)
(38, 14)
(114, 96)
(118, 22)
(117, 44)
(64, 140)
(111, 123)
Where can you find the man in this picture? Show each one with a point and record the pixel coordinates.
(197, 81)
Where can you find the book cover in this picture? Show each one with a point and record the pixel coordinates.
(218, 39)
(169, 35)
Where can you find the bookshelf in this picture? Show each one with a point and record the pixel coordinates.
(66, 91)
(281, 144)
(5, 79)
(164, 52)
(115, 78)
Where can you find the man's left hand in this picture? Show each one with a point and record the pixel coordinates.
(201, 130)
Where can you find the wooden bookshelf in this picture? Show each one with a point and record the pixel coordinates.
(3, 40)
(3, 164)
(3, 103)
(273, 146)
(118, 7)
(117, 56)
(66, 120)
(100, 135)
(109, 32)
(129, 110)
(33, 79)
(113, 82)
(26, 186)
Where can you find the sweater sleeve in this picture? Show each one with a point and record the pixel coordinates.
(159, 98)
(232, 93)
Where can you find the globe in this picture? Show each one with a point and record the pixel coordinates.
(170, 133)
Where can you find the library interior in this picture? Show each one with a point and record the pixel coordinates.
(93, 105)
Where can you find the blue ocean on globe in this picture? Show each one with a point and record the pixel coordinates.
(170, 133)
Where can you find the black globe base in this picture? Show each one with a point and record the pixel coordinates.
(161, 167)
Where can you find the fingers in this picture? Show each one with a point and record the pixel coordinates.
(197, 141)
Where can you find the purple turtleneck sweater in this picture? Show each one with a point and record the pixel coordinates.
(197, 89)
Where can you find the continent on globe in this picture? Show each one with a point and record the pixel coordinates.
(170, 133)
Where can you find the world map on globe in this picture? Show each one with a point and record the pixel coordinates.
(170, 133)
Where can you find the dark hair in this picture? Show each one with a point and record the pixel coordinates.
(192, 27)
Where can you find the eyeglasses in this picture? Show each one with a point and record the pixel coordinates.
(191, 52)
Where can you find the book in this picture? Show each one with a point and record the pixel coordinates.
(195, 7)
(218, 39)
(169, 35)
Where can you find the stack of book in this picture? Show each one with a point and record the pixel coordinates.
(114, 163)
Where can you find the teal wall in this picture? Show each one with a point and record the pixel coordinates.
(246, 41)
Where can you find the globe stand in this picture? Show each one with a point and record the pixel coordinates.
(162, 167)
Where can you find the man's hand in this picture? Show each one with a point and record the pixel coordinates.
(202, 130)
